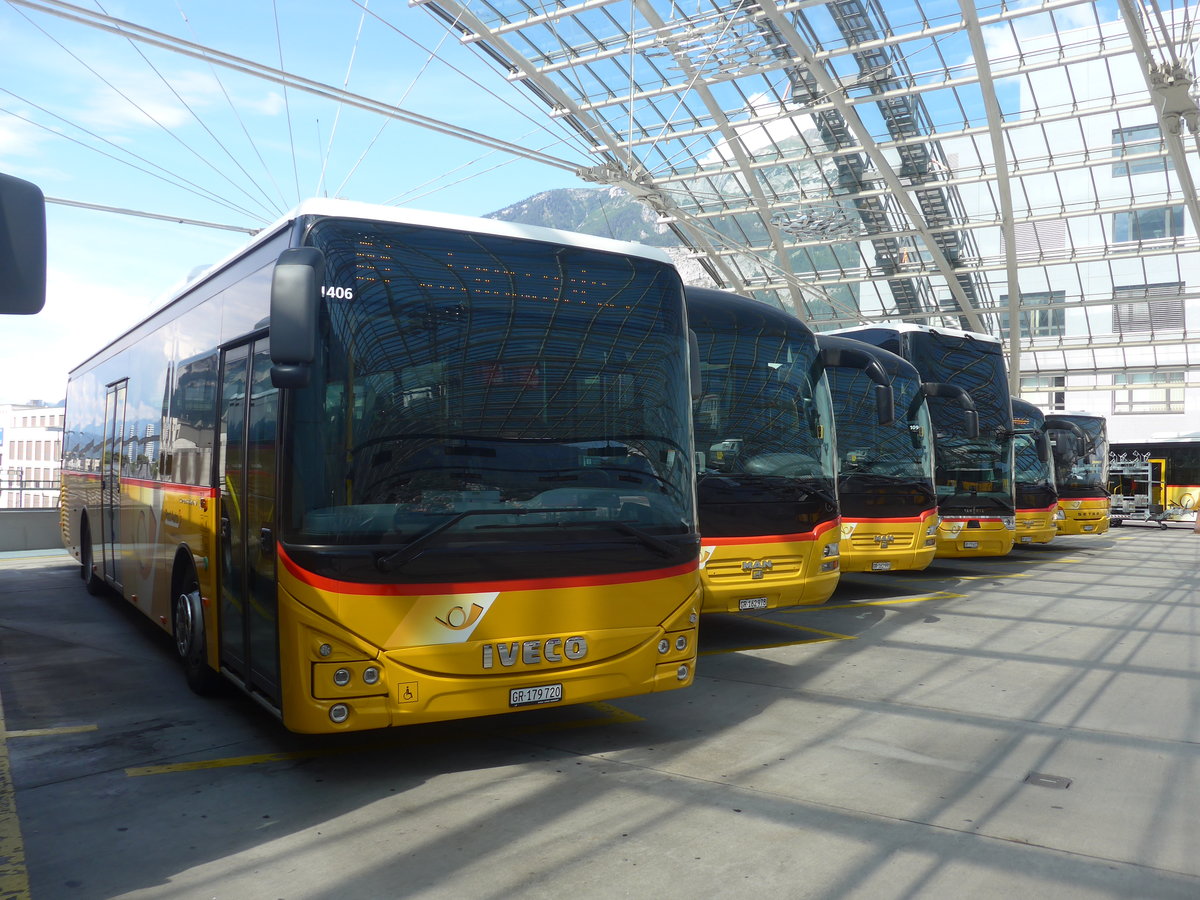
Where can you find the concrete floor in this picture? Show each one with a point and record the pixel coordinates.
(1026, 726)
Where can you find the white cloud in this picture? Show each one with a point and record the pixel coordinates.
(37, 352)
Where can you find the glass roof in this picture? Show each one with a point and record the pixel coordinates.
(946, 163)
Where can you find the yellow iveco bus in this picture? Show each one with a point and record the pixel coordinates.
(1038, 512)
(764, 427)
(384, 467)
(1080, 445)
(973, 473)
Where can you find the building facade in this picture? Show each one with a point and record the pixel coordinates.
(30, 455)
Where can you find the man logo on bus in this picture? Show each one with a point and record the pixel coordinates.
(885, 540)
(756, 567)
(457, 618)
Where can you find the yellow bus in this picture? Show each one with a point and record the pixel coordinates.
(384, 467)
(764, 428)
(973, 474)
(886, 489)
(1038, 512)
(1080, 445)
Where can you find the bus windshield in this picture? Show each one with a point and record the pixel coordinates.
(1032, 465)
(763, 425)
(465, 410)
(973, 475)
(1080, 458)
(884, 470)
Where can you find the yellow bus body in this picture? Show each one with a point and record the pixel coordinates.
(455, 651)
(427, 642)
(973, 536)
(741, 574)
(1036, 526)
(888, 545)
(1085, 515)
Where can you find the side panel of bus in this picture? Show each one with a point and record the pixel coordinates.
(138, 454)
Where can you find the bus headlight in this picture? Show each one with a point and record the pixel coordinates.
(933, 526)
(682, 673)
(1010, 522)
(831, 549)
(664, 646)
(341, 677)
(681, 642)
(371, 675)
(339, 713)
(1060, 515)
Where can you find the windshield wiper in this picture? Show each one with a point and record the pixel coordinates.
(413, 547)
(819, 494)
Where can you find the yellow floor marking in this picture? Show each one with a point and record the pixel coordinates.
(613, 715)
(775, 646)
(43, 732)
(14, 878)
(940, 595)
(982, 577)
(234, 761)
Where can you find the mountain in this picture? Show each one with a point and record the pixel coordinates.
(606, 212)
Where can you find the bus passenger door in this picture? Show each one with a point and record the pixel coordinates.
(1158, 484)
(249, 408)
(111, 456)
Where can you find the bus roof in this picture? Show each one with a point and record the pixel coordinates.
(913, 327)
(892, 364)
(323, 207)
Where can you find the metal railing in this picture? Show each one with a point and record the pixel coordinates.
(20, 493)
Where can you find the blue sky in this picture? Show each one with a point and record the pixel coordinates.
(95, 118)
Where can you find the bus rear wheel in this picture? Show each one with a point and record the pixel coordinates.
(87, 571)
(190, 642)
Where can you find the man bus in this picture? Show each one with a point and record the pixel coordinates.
(1080, 443)
(886, 487)
(764, 429)
(1038, 512)
(974, 474)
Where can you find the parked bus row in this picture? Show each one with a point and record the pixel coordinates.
(382, 467)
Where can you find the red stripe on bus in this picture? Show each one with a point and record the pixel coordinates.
(1032, 509)
(474, 587)
(171, 486)
(772, 538)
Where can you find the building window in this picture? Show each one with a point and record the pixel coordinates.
(1148, 224)
(1045, 391)
(1047, 321)
(1149, 307)
(1148, 392)
(1135, 140)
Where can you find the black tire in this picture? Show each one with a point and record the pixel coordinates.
(93, 582)
(188, 616)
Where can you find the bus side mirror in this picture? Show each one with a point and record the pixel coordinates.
(971, 420)
(970, 415)
(884, 404)
(847, 358)
(22, 247)
(694, 366)
(295, 302)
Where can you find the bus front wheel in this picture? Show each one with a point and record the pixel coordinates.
(189, 639)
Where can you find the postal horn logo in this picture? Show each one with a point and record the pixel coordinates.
(458, 619)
